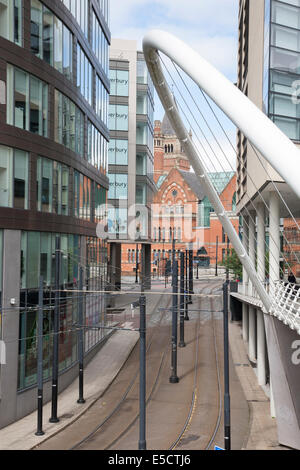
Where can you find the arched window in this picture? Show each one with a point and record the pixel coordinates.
(169, 149)
(179, 234)
(154, 234)
(172, 148)
(166, 149)
(129, 256)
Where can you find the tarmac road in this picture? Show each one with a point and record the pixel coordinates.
(170, 405)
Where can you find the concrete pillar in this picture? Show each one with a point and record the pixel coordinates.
(246, 245)
(261, 238)
(274, 259)
(10, 325)
(245, 322)
(261, 349)
(252, 334)
(251, 245)
(274, 237)
(261, 335)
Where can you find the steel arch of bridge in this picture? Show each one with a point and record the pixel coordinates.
(255, 125)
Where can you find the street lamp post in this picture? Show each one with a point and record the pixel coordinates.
(137, 264)
(217, 242)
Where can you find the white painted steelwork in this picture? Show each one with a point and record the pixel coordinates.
(286, 304)
(238, 108)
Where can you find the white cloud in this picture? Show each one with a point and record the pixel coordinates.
(209, 26)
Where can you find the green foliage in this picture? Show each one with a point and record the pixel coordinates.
(233, 264)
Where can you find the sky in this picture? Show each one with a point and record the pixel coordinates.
(208, 26)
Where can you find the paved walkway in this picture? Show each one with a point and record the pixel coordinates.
(104, 367)
(262, 427)
(98, 375)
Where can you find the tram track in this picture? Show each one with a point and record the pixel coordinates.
(123, 399)
(118, 425)
(89, 436)
(194, 399)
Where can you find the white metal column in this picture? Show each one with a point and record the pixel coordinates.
(274, 255)
(251, 246)
(261, 337)
(252, 334)
(274, 238)
(245, 280)
(252, 310)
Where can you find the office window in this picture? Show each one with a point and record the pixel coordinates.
(51, 40)
(142, 133)
(100, 203)
(141, 164)
(20, 179)
(27, 101)
(13, 178)
(141, 193)
(11, 20)
(100, 43)
(142, 72)
(118, 186)
(118, 152)
(142, 102)
(118, 117)
(117, 221)
(44, 184)
(82, 196)
(52, 187)
(97, 148)
(68, 124)
(119, 82)
(84, 75)
(80, 11)
(102, 100)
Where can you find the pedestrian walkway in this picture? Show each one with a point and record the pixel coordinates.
(262, 433)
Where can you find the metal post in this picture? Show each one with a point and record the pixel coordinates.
(137, 264)
(217, 242)
(186, 300)
(181, 342)
(197, 270)
(80, 337)
(174, 378)
(142, 391)
(54, 418)
(191, 274)
(173, 248)
(227, 268)
(40, 361)
(227, 431)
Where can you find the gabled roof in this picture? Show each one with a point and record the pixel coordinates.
(220, 180)
(193, 183)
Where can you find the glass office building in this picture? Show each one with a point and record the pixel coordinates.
(130, 157)
(282, 65)
(54, 97)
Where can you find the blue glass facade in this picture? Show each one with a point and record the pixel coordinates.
(282, 65)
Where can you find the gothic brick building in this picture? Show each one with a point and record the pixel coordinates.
(180, 207)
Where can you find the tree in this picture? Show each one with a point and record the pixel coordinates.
(233, 264)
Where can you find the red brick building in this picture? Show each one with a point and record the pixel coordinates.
(180, 207)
